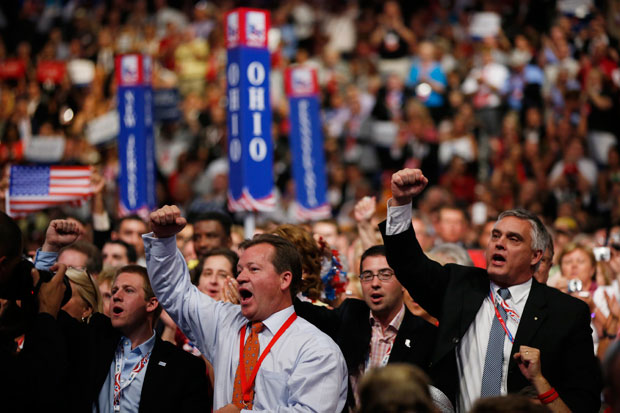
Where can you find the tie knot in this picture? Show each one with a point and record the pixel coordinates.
(257, 327)
(504, 293)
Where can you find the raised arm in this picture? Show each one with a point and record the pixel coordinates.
(60, 233)
(407, 184)
(425, 279)
(194, 312)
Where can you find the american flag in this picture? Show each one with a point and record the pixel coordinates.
(33, 188)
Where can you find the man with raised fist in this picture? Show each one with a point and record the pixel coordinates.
(499, 329)
(264, 357)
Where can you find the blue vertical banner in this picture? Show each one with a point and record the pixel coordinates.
(306, 141)
(250, 148)
(136, 144)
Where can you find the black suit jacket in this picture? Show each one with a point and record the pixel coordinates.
(174, 380)
(349, 326)
(554, 322)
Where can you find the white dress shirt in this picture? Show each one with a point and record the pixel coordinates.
(472, 349)
(304, 371)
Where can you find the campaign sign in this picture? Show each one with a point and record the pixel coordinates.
(136, 145)
(246, 27)
(306, 142)
(250, 149)
(51, 71)
(167, 105)
(12, 69)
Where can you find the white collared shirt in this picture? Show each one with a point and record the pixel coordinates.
(472, 350)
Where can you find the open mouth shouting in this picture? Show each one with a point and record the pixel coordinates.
(117, 310)
(246, 295)
(376, 297)
(498, 260)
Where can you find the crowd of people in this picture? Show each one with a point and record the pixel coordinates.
(503, 105)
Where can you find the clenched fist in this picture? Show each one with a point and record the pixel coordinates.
(60, 232)
(406, 184)
(167, 221)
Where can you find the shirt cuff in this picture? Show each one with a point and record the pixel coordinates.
(159, 246)
(43, 260)
(101, 222)
(398, 218)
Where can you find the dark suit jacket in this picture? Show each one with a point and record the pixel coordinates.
(174, 380)
(349, 327)
(555, 323)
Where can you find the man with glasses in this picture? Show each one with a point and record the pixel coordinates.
(378, 330)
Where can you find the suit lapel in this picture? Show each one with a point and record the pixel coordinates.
(154, 377)
(405, 338)
(534, 314)
(472, 300)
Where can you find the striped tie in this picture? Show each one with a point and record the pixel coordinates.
(494, 360)
(251, 350)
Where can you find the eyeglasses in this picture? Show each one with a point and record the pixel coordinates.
(383, 275)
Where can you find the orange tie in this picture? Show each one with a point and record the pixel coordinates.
(251, 351)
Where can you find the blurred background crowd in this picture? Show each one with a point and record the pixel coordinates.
(502, 104)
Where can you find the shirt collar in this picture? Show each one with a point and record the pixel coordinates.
(276, 320)
(142, 348)
(518, 292)
(396, 321)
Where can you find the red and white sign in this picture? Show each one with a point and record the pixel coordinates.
(51, 71)
(133, 70)
(247, 27)
(301, 81)
(12, 69)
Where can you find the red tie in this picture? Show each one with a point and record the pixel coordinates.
(251, 351)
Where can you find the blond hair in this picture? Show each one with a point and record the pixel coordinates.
(86, 287)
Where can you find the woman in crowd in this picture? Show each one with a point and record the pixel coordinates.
(85, 296)
(215, 268)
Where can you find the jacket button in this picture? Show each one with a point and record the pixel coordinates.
(455, 340)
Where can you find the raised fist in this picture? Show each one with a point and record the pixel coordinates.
(167, 221)
(406, 184)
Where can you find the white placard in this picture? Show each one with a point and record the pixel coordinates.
(103, 129)
(485, 24)
(45, 149)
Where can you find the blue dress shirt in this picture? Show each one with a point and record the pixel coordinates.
(304, 371)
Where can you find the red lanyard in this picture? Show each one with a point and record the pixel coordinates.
(501, 320)
(246, 387)
(118, 388)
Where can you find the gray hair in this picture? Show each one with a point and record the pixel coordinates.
(539, 234)
(451, 253)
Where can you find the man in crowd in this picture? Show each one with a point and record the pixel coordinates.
(211, 230)
(129, 229)
(492, 322)
(300, 368)
(378, 330)
(117, 253)
(451, 225)
(546, 262)
(40, 367)
(152, 375)
(82, 255)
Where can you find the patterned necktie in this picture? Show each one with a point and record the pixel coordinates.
(251, 351)
(494, 360)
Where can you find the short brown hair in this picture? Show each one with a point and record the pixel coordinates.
(146, 286)
(285, 258)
